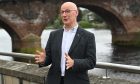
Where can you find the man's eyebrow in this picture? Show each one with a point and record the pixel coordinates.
(65, 9)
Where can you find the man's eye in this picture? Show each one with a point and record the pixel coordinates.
(67, 11)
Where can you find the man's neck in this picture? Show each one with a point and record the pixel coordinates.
(68, 27)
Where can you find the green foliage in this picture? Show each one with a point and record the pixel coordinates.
(79, 18)
(57, 23)
(133, 42)
(100, 25)
(98, 19)
(83, 19)
(29, 50)
(85, 24)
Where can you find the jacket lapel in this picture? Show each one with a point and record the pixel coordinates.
(60, 36)
(59, 42)
(76, 39)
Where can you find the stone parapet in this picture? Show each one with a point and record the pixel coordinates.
(12, 72)
(22, 71)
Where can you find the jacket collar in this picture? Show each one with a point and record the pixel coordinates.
(76, 39)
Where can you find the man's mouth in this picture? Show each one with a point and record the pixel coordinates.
(65, 19)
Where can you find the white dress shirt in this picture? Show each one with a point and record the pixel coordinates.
(68, 36)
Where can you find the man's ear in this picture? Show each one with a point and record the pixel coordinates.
(77, 13)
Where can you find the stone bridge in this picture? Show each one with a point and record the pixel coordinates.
(25, 20)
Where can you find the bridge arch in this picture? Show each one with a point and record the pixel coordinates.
(24, 31)
(14, 36)
(113, 19)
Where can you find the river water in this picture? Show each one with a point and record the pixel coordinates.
(105, 52)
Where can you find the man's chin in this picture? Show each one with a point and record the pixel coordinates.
(66, 23)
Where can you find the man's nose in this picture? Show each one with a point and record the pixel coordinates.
(64, 14)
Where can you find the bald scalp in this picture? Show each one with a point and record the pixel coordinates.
(70, 5)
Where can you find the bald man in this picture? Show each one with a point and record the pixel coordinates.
(71, 51)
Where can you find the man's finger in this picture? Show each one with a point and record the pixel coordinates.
(67, 61)
(67, 67)
(66, 54)
(37, 56)
(37, 61)
(38, 52)
(66, 58)
(43, 50)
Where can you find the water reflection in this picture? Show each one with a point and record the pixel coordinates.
(105, 51)
(5, 44)
(103, 44)
(126, 55)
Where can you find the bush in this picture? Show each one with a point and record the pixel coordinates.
(100, 25)
(85, 24)
(30, 50)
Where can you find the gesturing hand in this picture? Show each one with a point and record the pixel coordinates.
(69, 61)
(40, 56)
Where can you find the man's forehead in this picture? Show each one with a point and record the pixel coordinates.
(65, 9)
(68, 6)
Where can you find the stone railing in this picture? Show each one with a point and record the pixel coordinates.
(12, 72)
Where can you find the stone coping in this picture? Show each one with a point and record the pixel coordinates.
(32, 73)
(24, 71)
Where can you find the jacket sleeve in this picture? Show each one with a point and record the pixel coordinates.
(89, 61)
(48, 59)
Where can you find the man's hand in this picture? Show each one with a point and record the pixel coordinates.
(69, 61)
(40, 56)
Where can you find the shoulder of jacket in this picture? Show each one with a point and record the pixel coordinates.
(57, 31)
(85, 32)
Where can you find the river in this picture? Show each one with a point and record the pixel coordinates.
(106, 52)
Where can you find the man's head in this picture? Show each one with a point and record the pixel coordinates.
(69, 13)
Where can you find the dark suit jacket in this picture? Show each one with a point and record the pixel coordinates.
(82, 50)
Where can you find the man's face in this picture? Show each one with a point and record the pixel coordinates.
(68, 15)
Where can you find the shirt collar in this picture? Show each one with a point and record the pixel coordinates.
(74, 29)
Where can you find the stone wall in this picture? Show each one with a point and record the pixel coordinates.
(12, 72)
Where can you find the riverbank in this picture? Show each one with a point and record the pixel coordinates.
(103, 80)
(83, 24)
